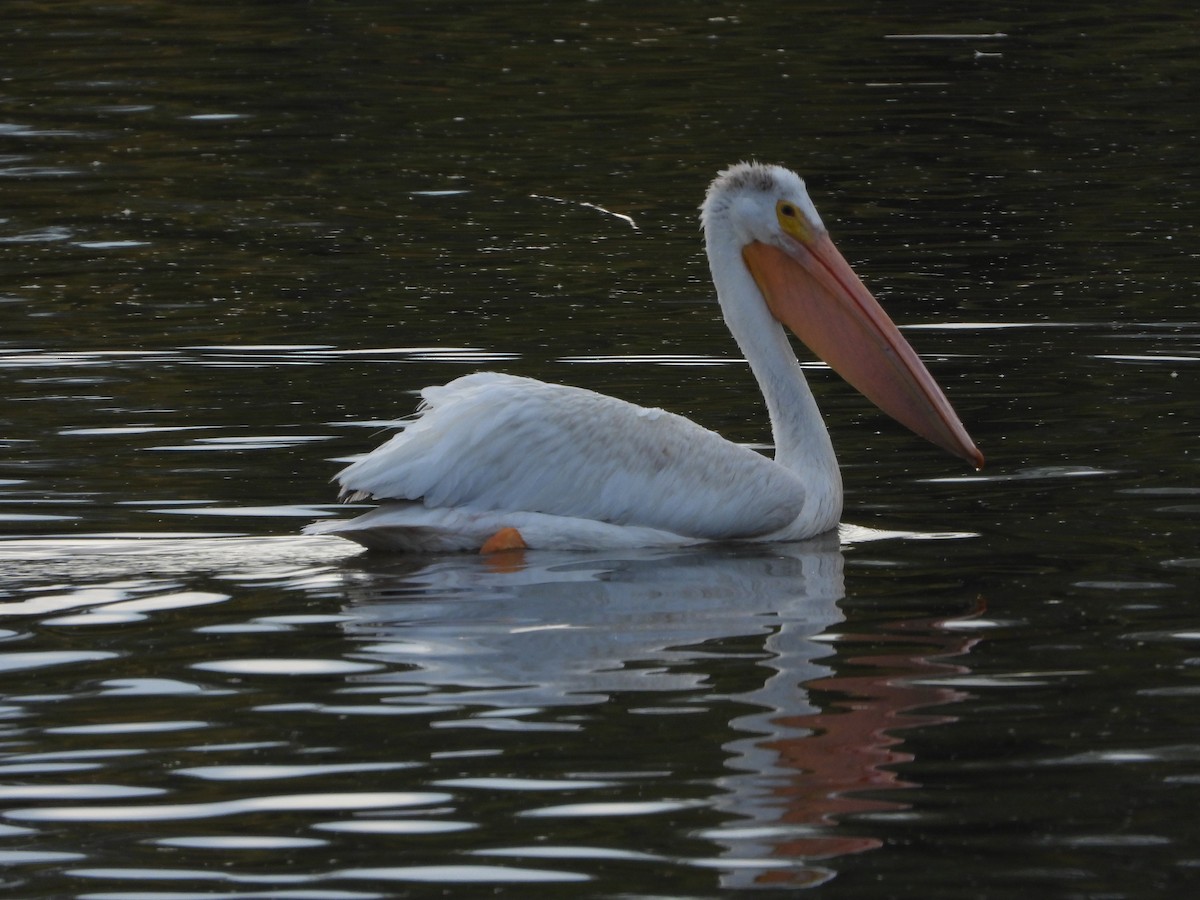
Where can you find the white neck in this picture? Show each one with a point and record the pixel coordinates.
(802, 442)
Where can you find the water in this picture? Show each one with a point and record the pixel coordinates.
(238, 238)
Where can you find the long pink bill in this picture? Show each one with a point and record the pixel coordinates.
(812, 290)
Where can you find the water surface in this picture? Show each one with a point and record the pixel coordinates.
(239, 238)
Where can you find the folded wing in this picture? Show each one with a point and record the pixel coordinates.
(499, 442)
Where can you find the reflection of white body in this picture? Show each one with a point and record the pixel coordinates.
(569, 468)
(570, 630)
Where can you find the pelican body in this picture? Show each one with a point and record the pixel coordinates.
(494, 461)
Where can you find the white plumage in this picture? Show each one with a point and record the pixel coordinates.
(498, 443)
(573, 469)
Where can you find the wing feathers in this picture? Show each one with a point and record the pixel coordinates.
(498, 442)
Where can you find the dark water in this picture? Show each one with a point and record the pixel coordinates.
(237, 238)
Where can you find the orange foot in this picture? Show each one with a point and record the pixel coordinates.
(504, 539)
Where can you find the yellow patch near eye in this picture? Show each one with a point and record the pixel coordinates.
(792, 221)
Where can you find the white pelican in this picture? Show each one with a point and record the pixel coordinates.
(495, 462)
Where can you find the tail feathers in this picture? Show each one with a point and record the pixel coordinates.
(403, 528)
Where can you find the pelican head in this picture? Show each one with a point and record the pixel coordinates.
(760, 222)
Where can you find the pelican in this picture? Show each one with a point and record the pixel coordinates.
(495, 462)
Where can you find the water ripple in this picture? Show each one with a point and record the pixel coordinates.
(75, 791)
(522, 784)
(36, 857)
(273, 772)
(461, 874)
(626, 808)
(239, 842)
(453, 874)
(570, 852)
(282, 803)
(286, 666)
(125, 611)
(285, 894)
(396, 826)
(157, 687)
(11, 662)
(148, 727)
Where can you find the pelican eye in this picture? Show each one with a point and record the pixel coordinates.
(793, 221)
